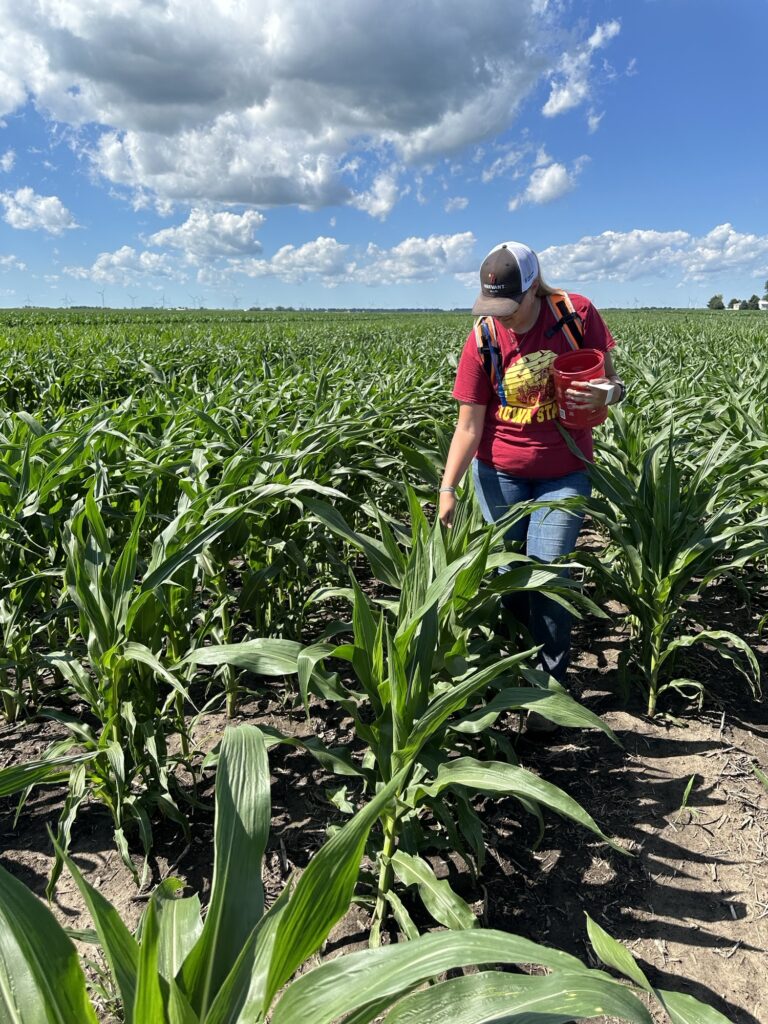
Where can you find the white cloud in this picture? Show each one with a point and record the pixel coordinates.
(547, 184)
(25, 210)
(12, 263)
(603, 34)
(625, 256)
(417, 259)
(323, 258)
(331, 262)
(380, 200)
(572, 84)
(126, 266)
(593, 121)
(7, 160)
(206, 235)
(504, 164)
(273, 101)
(456, 203)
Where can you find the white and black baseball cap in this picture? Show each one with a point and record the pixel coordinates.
(508, 271)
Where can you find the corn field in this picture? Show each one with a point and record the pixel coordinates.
(196, 508)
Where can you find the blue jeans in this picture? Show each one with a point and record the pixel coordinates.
(547, 534)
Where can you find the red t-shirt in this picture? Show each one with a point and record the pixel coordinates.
(522, 438)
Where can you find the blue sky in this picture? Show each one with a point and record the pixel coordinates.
(369, 153)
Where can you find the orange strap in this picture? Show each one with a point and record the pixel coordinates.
(566, 319)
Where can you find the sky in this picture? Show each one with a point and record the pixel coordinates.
(369, 153)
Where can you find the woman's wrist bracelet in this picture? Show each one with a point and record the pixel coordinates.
(446, 490)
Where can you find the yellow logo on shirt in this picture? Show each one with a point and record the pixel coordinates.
(530, 389)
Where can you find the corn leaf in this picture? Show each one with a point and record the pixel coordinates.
(41, 980)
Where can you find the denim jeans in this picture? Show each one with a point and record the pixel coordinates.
(546, 534)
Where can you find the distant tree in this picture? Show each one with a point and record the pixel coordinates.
(766, 290)
(733, 302)
(716, 302)
(753, 302)
(743, 304)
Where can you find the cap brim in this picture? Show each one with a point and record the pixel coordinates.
(488, 306)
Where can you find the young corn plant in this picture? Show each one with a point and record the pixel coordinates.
(427, 690)
(676, 522)
(133, 702)
(239, 965)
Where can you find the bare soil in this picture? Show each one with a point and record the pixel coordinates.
(691, 900)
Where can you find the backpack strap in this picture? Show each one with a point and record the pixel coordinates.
(490, 354)
(567, 319)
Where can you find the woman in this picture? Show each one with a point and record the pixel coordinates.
(518, 450)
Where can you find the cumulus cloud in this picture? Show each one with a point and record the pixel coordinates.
(25, 210)
(206, 235)
(628, 255)
(571, 86)
(269, 105)
(323, 258)
(127, 266)
(548, 183)
(381, 198)
(11, 263)
(418, 259)
(7, 160)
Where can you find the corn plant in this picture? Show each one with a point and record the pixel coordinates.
(238, 965)
(429, 685)
(134, 702)
(676, 521)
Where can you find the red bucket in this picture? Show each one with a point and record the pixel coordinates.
(585, 364)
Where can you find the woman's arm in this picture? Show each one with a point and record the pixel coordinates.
(610, 370)
(465, 442)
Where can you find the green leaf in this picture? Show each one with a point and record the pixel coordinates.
(519, 999)
(684, 1009)
(560, 708)
(761, 777)
(120, 948)
(149, 1004)
(180, 928)
(163, 572)
(339, 986)
(401, 915)
(324, 891)
(334, 759)
(453, 700)
(41, 981)
(381, 562)
(241, 997)
(263, 657)
(497, 777)
(241, 831)
(438, 897)
(614, 954)
(17, 777)
(124, 573)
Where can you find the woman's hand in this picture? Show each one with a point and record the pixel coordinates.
(581, 394)
(447, 508)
